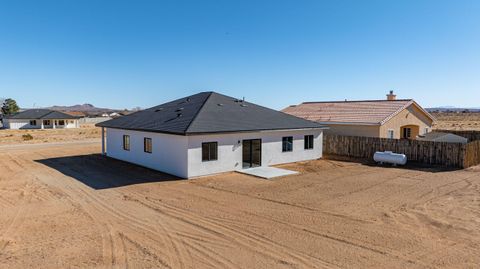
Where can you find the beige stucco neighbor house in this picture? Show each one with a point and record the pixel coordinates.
(389, 118)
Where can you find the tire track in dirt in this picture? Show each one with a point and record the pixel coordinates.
(122, 217)
(46, 177)
(361, 244)
(22, 210)
(182, 255)
(246, 239)
(286, 204)
(100, 209)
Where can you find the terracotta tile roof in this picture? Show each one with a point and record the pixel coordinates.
(354, 112)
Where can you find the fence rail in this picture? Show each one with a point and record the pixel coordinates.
(426, 152)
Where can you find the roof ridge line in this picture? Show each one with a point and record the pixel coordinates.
(50, 112)
(353, 101)
(198, 112)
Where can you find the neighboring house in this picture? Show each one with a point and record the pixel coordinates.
(443, 137)
(210, 133)
(390, 118)
(40, 119)
(78, 114)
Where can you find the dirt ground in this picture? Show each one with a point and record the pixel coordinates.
(457, 121)
(65, 206)
(86, 132)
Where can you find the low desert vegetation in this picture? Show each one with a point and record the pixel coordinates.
(49, 135)
(27, 137)
(457, 121)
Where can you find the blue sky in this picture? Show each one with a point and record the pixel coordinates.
(123, 54)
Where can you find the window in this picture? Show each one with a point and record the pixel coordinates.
(126, 142)
(47, 122)
(407, 132)
(33, 122)
(309, 142)
(147, 145)
(287, 143)
(427, 130)
(390, 134)
(61, 122)
(209, 151)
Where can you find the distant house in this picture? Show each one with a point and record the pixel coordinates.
(40, 119)
(390, 118)
(210, 133)
(78, 114)
(443, 137)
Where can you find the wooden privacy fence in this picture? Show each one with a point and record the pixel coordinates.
(426, 152)
(472, 154)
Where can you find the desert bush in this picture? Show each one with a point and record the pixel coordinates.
(27, 137)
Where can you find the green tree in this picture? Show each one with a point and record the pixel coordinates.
(10, 107)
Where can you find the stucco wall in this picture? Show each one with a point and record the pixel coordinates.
(25, 124)
(20, 124)
(15, 124)
(230, 150)
(182, 155)
(410, 116)
(354, 130)
(169, 152)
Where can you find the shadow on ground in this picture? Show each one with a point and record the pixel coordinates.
(100, 172)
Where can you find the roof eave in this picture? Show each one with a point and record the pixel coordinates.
(349, 123)
(217, 132)
(259, 130)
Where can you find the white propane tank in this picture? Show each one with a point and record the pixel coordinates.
(390, 157)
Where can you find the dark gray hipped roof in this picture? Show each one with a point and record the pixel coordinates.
(208, 112)
(37, 114)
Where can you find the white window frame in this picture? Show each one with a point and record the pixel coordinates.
(391, 133)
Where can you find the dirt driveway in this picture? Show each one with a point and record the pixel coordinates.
(65, 206)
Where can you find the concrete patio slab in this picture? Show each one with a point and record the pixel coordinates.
(267, 172)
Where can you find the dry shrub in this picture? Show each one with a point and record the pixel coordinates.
(27, 137)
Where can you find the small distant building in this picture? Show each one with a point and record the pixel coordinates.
(114, 114)
(443, 137)
(210, 133)
(389, 118)
(40, 119)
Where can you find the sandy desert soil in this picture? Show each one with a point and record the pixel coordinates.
(87, 131)
(457, 121)
(65, 206)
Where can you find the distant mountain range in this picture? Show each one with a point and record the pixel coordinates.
(82, 108)
(453, 109)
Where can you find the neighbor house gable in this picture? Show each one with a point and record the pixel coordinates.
(412, 106)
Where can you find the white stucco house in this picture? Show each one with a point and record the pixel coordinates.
(209, 133)
(40, 119)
